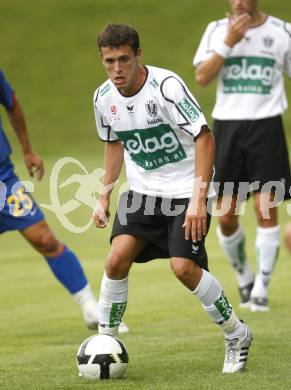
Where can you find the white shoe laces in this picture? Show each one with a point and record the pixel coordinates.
(232, 351)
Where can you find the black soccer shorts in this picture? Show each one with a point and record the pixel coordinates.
(250, 151)
(148, 218)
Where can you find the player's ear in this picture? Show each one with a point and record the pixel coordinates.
(101, 55)
(139, 53)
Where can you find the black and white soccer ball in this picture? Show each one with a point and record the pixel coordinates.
(102, 357)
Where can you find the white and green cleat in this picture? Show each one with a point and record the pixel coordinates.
(236, 352)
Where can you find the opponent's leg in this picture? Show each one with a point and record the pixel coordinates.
(66, 267)
(210, 293)
(232, 239)
(114, 287)
(267, 248)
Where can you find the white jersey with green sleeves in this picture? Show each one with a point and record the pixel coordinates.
(157, 127)
(251, 82)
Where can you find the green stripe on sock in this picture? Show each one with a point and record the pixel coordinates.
(116, 313)
(222, 305)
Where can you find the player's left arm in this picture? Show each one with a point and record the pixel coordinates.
(196, 215)
(32, 161)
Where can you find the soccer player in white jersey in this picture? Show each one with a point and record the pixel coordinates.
(148, 118)
(249, 52)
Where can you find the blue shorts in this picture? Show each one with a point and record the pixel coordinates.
(18, 209)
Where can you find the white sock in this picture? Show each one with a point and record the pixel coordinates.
(84, 295)
(267, 247)
(215, 303)
(234, 248)
(85, 298)
(112, 304)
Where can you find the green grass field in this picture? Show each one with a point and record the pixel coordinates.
(49, 54)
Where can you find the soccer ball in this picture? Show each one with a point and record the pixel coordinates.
(102, 357)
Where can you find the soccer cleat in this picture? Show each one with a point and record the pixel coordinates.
(259, 304)
(114, 330)
(90, 313)
(106, 330)
(123, 328)
(236, 352)
(245, 295)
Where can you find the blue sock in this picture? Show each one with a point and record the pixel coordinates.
(68, 270)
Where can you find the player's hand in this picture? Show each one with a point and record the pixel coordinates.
(34, 165)
(237, 28)
(196, 220)
(101, 213)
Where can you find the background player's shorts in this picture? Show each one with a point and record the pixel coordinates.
(163, 233)
(18, 209)
(249, 151)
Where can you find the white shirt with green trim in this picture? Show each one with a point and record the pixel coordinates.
(251, 82)
(157, 127)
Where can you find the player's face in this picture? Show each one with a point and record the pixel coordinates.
(243, 6)
(121, 65)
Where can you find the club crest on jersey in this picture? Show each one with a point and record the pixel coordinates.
(151, 108)
(268, 41)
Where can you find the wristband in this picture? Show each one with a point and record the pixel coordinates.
(223, 50)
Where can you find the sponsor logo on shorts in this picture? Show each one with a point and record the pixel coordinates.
(195, 249)
(189, 109)
(152, 147)
(248, 75)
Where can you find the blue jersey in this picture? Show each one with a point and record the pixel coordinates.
(6, 99)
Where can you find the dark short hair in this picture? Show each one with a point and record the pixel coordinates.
(116, 35)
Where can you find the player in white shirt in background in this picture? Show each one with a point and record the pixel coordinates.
(248, 52)
(148, 118)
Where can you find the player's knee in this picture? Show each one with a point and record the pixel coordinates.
(228, 224)
(266, 218)
(182, 269)
(47, 244)
(117, 267)
(226, 220)
(260, 216)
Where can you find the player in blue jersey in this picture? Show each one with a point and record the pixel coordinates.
(19, 211)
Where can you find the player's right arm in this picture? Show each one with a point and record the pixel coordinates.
(113, 160)
(33, 162)
(16, 117)
(208, 67)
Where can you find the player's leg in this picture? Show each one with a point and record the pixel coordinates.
(65, 266)
(114, 287)
(190, 264)
(232, 240)
(267, 163)
(230, 168)
(210, 293)
(267, 248)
